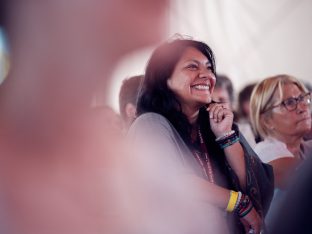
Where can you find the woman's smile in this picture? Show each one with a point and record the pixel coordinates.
(201, 87)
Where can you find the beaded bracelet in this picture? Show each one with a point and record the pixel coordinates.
(228, 143)
(228, 140)
(238, 200)
(225, 135)
(245, 212)
(244, 207)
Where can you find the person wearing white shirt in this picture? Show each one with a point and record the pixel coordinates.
(280, 115)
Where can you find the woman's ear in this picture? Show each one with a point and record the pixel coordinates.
(130, 111)
(268, 122)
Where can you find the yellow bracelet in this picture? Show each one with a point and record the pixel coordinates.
(232, 201)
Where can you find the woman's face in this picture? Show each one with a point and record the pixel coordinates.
(192, 79)
(290, 123)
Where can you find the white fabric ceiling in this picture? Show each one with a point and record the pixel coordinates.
(251, 39)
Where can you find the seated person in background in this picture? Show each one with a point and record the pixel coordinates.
(223, 91)
(127, 99)
(243, 114)
(280, 114)
(196, 141)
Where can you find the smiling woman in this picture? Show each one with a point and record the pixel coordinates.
(193, 140)
(191, 89)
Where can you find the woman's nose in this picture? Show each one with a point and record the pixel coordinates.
(205, 73)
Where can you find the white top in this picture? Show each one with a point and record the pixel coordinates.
(246, 130)
(271, 149)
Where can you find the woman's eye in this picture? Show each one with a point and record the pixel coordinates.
(209, 67)
(290, 102)
(192, 66)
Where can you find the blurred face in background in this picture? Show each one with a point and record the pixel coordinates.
(246, 107)
(221, 95)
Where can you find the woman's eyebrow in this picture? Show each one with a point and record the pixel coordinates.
(198, 62)
(193, 60)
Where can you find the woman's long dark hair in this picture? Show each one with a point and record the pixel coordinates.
(155, 96)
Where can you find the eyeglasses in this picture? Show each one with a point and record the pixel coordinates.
(291, 104)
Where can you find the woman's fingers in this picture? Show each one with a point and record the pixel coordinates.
(217, 112)
(221, 118)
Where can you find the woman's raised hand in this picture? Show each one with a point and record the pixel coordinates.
(221, 118)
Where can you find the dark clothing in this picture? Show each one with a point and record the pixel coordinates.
(294, 214)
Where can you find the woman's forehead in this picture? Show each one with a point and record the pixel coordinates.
(191, 53)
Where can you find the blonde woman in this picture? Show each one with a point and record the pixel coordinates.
(280, 114)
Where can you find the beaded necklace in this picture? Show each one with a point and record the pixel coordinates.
(205, 163)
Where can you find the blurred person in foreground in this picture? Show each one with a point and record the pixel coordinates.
(127, 99)
(293, 214)
(187, 137)
(280, 114)
(110, 117)
(61, 166)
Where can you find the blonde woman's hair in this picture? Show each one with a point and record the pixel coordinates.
(265, 95)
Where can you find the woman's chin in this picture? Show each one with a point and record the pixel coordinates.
(207, 101)
(204, 103)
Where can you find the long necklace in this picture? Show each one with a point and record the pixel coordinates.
(206, 163)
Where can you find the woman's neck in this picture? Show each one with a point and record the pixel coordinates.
(294, 147)
(292, 143)
(191, 114)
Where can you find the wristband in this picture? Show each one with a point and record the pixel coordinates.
(225, 135)
(232, 201)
